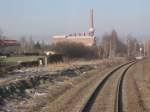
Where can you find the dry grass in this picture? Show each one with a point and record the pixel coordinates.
(62, 90)
(62, 65)
(21, 58)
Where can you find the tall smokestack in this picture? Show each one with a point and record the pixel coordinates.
(91, 29)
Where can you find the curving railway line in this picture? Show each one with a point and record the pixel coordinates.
(107, 96)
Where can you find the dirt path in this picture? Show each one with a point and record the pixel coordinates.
(137, 88)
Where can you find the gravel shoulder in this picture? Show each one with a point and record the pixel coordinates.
(137, 88)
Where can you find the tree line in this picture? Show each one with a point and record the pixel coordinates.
(25, 46)
(110, 46)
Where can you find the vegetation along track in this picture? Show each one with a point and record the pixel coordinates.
(118, 95)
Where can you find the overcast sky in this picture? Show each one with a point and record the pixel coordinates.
(44, 18)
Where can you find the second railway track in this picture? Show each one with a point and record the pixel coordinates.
(107, 96)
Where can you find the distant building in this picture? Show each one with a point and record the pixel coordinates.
(88, 39)
(8, 47)
(8, 43)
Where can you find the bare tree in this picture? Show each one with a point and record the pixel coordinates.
(1, 33)
(147, 48)
(106, 45)
(112, 46)
(31, 44)
(132, 46)
(113, 43)
(23, 45)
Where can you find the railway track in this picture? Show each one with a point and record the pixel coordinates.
(107, 96)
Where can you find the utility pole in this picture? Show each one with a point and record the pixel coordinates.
(140, 52)
(148, 50)
(110, 49)
(128, 45)
(145, 50)
(135, 45)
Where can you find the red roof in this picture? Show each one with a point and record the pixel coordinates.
(8, 42)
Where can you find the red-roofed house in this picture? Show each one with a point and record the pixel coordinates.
(9, 43)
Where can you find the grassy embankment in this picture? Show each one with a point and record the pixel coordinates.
(20, 58)
(10, 63)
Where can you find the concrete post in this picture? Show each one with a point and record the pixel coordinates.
(45, 60)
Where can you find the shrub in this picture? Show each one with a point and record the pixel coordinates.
(75, 50)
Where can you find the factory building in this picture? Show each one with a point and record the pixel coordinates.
(88, 39)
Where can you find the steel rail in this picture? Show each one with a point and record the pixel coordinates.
(118, 100)
(90, 100)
